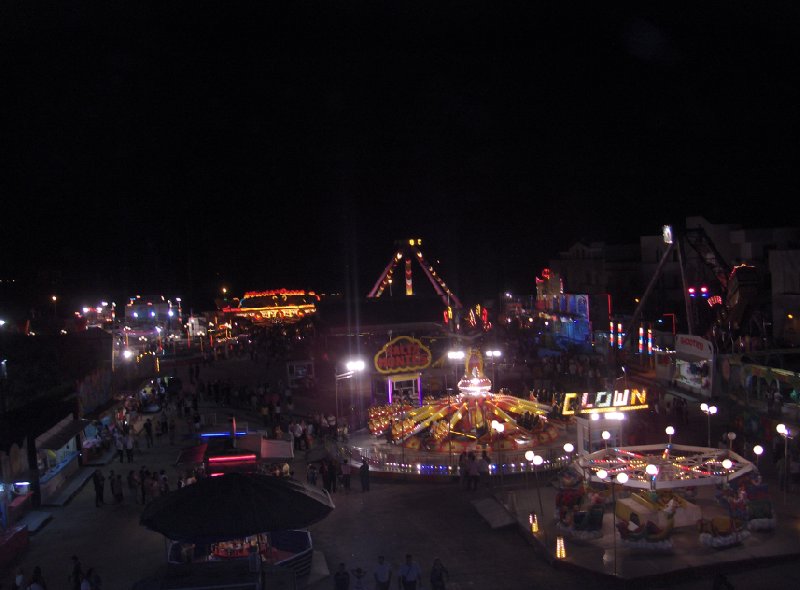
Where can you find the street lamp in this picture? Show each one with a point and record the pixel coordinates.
(708, 411)
(622, 478)
(606, 435)
(670, 431)
(757, 451)
(352, 367)
(731, 437)
(537, 460)
(568, 448)
(499, 427)
(55, 299)
(786, 434)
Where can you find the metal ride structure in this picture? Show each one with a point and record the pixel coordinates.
(408, 251)
(736, 311)
(465, 421)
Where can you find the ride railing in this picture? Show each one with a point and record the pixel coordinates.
(397, 459)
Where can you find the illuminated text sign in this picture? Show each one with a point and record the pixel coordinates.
(604, 401)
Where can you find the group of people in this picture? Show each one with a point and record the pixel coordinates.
(335, 472)
(409, 576)
(78, 578)
(474, 469)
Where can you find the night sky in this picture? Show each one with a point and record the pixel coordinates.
(176, 147)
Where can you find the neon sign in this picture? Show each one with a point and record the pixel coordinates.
(602, 402)
(402, 354)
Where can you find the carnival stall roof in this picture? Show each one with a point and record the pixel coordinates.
(666, 466)
(235, 505)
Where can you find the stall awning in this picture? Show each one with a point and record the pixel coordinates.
(403, 377)
(63, 436)
(192, 455)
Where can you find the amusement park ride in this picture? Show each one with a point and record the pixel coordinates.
(735, 310)
(409, 251)
(465, 421)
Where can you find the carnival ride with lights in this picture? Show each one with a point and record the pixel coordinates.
(281, 305)
(661, 481)
(473, 419)
(410, 250)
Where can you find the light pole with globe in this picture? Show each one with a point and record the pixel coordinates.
(537, 460)
(499, 427)
(622, 479)
(708, 411)
(606, 435)
(758, 450)
(786, 434)
(670, 430)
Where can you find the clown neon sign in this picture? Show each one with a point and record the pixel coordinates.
(604, 401)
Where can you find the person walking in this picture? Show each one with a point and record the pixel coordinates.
(129, 444)
(171, 427)
(148, 433)
(382, 574)
(358, 576)
(37, 580)
(76, 574)
(341, 579)
(363, 474)
(119, 444)
(99, 481)
(346, 475)
(439, 575)
(409, 574)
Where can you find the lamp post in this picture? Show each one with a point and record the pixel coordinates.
(731, 437)
(758, 450)
(670, 431)
(352, 367)
(55, 300)
(499, 427)
(621, 478)
(670, 315)
(494, 354)
(537, 460)
(708, 411)
(786, 434)
(606, 435)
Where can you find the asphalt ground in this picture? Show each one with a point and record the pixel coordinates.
(424, 518)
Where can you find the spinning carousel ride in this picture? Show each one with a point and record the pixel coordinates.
(474, 418)
(674, 466)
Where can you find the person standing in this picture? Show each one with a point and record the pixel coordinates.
(382, 574)
(99, 481)
(37, 580)
(346, 475)
(363, 473)
(129, 444)
(409, 574)
(171, 427)
(462, 469)
(341, 579)
(76, 575)
(439, 575)
(119, 444)
(148, 433)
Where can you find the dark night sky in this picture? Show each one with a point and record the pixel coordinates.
(178, 146)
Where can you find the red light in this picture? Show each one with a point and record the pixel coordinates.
(704, 289)
(230, 458)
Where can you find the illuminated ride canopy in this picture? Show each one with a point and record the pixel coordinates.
(464, 421)
(282, 305)
(675, 466)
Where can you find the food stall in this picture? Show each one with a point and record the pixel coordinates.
(57, 455)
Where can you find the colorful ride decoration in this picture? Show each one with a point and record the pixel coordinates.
(747, 500)
(579, 511)
(464, 421)
(721, 531)
(649, 535)
(676, 466)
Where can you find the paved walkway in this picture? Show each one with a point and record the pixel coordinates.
(398, 516)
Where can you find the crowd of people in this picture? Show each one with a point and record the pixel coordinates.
(409, 575)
